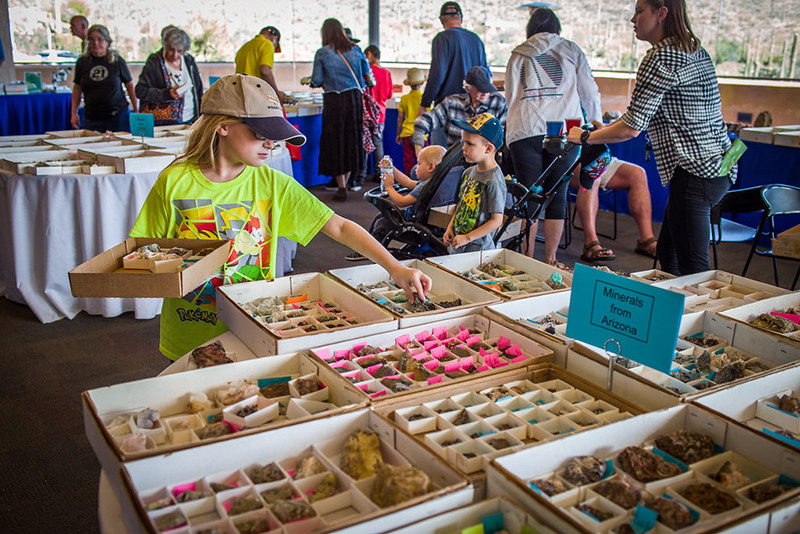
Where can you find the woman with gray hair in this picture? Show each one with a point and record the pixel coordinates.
(99, 76)
(170, 86)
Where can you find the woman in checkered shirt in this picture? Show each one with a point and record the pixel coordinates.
(677, 100)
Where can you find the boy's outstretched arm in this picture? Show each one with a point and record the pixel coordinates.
(354, 236)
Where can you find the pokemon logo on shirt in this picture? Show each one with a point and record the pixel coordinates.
(246, 224)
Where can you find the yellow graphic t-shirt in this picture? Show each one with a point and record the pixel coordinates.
(251, 211)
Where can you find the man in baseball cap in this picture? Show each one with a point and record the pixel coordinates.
(257, 56)
(453, 52)
(481, 79)
(255, 102)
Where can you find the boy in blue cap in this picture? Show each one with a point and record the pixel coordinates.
(483, 189)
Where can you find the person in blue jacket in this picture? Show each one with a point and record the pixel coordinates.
(453, 52)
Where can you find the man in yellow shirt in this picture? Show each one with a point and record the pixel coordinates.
(256, 57)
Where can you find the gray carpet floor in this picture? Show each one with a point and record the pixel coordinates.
(48, 472)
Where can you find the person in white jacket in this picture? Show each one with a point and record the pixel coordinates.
(547, 79)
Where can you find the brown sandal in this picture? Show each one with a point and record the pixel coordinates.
(592, 255)
(643, 247)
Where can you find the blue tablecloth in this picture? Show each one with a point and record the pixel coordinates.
(34, 114)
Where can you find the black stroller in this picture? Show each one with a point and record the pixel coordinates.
(410, 236)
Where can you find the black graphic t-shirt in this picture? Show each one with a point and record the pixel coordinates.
(101, 82)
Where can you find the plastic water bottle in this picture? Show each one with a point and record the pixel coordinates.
(387, 168)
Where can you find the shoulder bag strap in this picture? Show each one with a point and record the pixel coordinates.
(351, 71)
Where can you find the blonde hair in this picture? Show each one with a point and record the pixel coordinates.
(432, 154)
(203, 146)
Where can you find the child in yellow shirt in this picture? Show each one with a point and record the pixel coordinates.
(407, 114)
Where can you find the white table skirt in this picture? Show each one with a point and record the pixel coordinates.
(50, 224)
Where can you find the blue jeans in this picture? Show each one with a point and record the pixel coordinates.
(686, 230)
(116, 123)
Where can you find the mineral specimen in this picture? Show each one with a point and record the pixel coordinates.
(397, 384)
(729, 373)
(671, 513)
(774, 323)
(498, 393)
(421, 304)
(767, 492)
(211, 354)
(704, 363)
(508, 285)
(645, 466)
(620, 491)
(288, 511)
(462, 418)
(216, 487)
(455, 303)
(550, 486)
(307, 467)
(594, 512)
(268, 473)
(240, 505)
(147, 419)
(384, 371)
(789, 403)
(625, 528)
(214, 431)
(730, 476)
(190, 495)
(461, 352)
(281, 389)
(369, 362)
(361, 456)
(709, 498)
(325, 489)
(395, 485)
(755, 366)
(258, 525)
(305, 386)
(169, 521)
(159, 504)
(134, 443)
(284, 493)
(236, 393)
(498, 443)
(584, 470)
(247, 410)
(687, 446)
(368, 349)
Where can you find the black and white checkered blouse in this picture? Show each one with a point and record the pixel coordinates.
(676, 99)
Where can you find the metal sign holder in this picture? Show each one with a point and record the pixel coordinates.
(612, 359)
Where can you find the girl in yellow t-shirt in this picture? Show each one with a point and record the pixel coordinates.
(407, 114)
(220, 189)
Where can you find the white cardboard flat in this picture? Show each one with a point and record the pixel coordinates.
(508, 475)
(456, 263)
(192, 464)
(263, 342)
(444, 283)
(170, 393)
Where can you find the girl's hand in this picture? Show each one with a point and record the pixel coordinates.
(75, 121)
(412, 281)
(173, 92)
(398, 140)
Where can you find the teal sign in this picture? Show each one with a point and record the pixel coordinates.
(642, 318)
(142, 124)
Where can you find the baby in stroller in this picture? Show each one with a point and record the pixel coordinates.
(406, 233)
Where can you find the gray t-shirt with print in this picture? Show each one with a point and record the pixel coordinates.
(480, 195)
